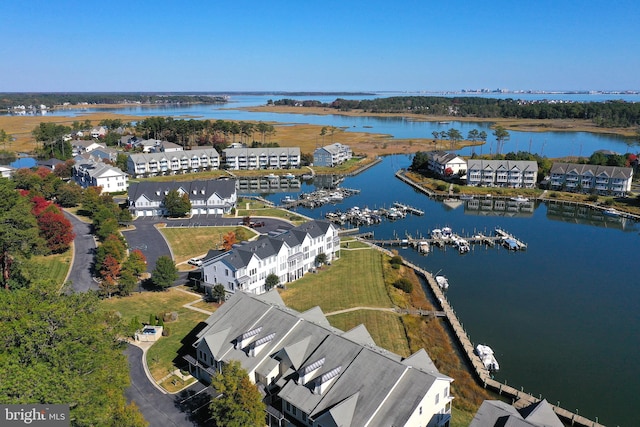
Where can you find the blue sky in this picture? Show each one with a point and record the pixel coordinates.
(306, 45)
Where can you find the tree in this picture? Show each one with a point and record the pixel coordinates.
(321, 258)
(240, 403)
(69, 195)
(55, 229)
(60, 347)
(112, 245)
(165, 273)
(502, 136)
(229, 240)
(18, 229)
(109, 272)
(4, 138)
(132, 269)
(177, 205)
(454, 136)
(271, 281)
(218, 292)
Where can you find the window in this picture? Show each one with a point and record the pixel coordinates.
(437, 398)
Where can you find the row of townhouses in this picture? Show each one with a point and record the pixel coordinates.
(211, 197)
(332, 155)
(262, 158)
(603, 180)
(315, 375)
(174, 162)
(288, 255)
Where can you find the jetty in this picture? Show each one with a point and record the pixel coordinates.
(407, 208)
(519, 397)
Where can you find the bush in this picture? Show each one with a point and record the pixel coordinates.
(456, 189)
(404, 285)
(608, 202)
(441, 187)
(593, 198)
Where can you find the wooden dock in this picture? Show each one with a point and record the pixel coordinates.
(519, 398)
(410, 209)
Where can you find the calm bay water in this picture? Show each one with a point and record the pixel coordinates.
(550, 144)
(562, 316)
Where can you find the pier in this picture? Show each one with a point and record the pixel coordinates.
(519, 398)
(410, 209)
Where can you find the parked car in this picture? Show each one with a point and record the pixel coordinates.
(195, 261)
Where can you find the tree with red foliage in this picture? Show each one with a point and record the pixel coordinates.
(55, 229)
(39, 205)
(109, 272)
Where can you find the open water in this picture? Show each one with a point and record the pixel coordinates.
(561, 316)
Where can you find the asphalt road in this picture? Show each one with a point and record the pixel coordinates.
(84, 244)
(158, 408)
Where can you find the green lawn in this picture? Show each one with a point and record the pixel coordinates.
(57, 266)
(385, 328)
(353, 280)
(161, 355)
(188, 242)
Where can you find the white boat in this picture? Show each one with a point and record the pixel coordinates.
(462, 245)
(423, 247)
(611, 212)
(442, 282)
(466, 197)
(486, 356)
(272, 176)
(288, 199)
(288, 176)
(436, 233)
(520, 199)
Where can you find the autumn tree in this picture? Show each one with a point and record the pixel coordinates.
(240, 403)
(55, 229)
(109, 272)
(114, 246)
(229, 240)
(132, 269)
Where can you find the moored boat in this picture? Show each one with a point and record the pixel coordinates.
(442, 282)
(611, 212)
(520, 199)
(487, 357)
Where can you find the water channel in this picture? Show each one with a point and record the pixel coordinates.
(561, 316)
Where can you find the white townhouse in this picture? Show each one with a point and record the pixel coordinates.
(212, 197)
(605, 180)
(288, 255)
(442, 163)
(80, 146)
(312, 374)
(262, 158)
(502, 173)
(332, 155)
(98, 132)
(172, 163)
(89, 173)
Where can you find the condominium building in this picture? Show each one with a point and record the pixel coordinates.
(89, 173)
(604, 180)
(288, 255)
(442, 163)
(312, 374)
(262, 158)
(332, 155)
(502, 173)
(171, 163)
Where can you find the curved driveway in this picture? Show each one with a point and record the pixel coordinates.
(159, 409)
(84, 245)
(148, 239)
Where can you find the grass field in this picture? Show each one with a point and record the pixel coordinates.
(337, 287)
(57, 266)
(385, 328)
(161, 355)
(188, 243)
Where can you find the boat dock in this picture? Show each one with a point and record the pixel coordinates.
(519, 397)
(410, 209)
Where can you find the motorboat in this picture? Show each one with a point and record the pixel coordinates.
(423, 247)
(487, 357)
(466, 197)
(520, 199)
(611, 212)
(442, 282)
(462, 245)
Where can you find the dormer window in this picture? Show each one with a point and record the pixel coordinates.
(325, 380)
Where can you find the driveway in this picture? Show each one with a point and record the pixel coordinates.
(148, 239)
(84, 250)
(161, 409)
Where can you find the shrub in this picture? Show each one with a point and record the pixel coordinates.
(456, 189)
(608, 202)
(396, 260)
(593, 198)
(404, 285)
(441, 187)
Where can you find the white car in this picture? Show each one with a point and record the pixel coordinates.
(195, 261)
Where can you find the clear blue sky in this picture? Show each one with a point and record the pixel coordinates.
(328, 45)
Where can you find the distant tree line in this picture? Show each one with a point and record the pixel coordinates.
(8, 100)
(603, 114)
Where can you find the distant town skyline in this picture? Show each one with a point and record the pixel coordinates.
(355, 46)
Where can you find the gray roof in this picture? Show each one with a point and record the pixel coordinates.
(335, 148)
(495, 413)
(269, 151)
(595, 170)
(523, 165)
(148, 157)
(362, 380)
(97, 169)
(442, 157)
(150, 189)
